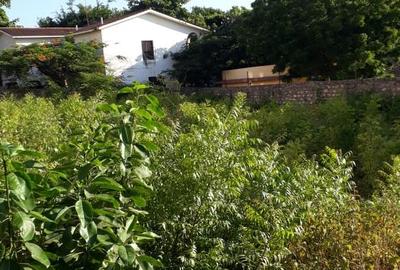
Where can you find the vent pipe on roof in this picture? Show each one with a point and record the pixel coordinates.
(102, 20)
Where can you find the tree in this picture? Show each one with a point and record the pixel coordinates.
(325, 39)
(68, 64)
(4, 20)
(79, 14)
(202, 61)
(170, 7)
(210, 18)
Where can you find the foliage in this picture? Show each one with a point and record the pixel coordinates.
(79, 15)
(365, 125)
(360, 236)
(210, 18)
(68, 64)
(43, 124)
(223, 200)
(326, 39)
(173, 8)
(203, 61)
(215, 191)
(83, 213)
(4, 20)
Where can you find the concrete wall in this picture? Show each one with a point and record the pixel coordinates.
(308, 92)
(123, 51)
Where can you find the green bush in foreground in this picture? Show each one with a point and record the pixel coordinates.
(223, 200)
(218, 197)
(84, 212)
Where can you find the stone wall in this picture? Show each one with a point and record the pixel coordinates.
(308, 92)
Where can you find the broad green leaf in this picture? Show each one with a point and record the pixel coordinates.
(19, 186)
(123, 255)
(139, 201)
(153, 100)
(62, 213)
(10, 150)
(38, 254)
(25, 225)
(140, 86)
(40, 217)
(126, 133)
(89, 232)
(143, 113)
(107, 108)
(126, 90)
(142, 172)
(106, 184)
(150, 260)
(106, 198)
(31, 154)
(85, 212)
(83, 171)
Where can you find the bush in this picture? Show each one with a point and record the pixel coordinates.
(81, 209)
(223, 200)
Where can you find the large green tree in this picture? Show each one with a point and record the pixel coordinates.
(326, 39)
(202, 61)
(4, 20)
(79, 14)
(173, 8)
(68, 65)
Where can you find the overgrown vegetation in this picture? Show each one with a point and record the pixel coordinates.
(80, 207)
(223, 194)
(318, 40)
(64, 65)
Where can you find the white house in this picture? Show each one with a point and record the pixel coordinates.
(138, 46)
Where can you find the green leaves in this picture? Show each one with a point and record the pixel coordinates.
(38, 254)
(25, 225)
(85, 212)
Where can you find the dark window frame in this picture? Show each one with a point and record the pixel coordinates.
(148, 50)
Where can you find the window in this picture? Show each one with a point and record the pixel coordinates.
(192, 37)
(147, 50)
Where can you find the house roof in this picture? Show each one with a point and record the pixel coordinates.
(17, 32)
(37, 32)
(116, 20)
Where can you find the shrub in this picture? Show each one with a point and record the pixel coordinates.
(223, 200)
(83, 212)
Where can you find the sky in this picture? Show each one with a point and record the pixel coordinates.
(28, 11)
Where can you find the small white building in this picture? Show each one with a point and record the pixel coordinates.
(138, 46)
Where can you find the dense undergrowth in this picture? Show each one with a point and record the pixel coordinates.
(231, 187)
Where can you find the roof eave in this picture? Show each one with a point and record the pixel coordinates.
(82, 32)
(154, 13)
(21, 37)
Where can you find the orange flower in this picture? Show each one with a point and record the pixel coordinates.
(41, 58)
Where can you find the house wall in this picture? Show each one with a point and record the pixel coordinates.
(123, 51)
(6, 42)
(91, 36)
(28, 41)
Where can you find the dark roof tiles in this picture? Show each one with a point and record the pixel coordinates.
(37, 32)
